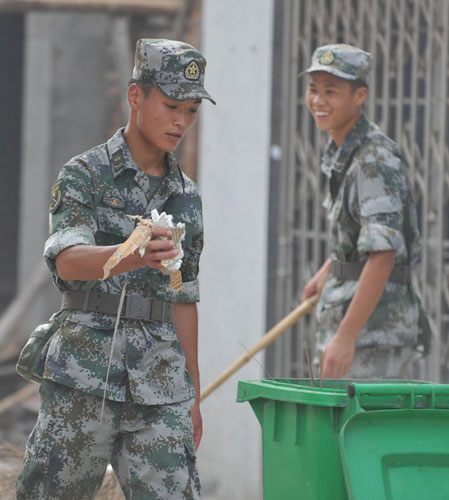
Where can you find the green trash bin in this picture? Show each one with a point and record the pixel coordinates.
(324, 443)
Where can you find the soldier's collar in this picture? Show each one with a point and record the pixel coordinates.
(121, 159)
(351, 142)
(174, 171)
(119, 154)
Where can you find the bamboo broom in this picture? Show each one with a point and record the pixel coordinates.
(262, 343)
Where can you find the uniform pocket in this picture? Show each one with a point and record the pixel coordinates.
(78, 320)
(161, 331)
(114, 222)
(337, 292)
(380, 205)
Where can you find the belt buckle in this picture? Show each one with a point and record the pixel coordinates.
(136, 307)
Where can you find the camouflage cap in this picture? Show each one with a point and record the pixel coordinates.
(175, 68)
(344, 61)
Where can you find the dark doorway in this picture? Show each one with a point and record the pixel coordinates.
(11, 69)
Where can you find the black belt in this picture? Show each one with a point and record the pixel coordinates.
(134, 306)
(352, 271)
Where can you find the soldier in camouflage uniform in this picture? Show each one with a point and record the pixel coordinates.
(367, 311)
(151, 422)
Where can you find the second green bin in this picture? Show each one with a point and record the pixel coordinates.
(362, 440)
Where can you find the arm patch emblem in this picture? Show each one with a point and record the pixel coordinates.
(56, 195)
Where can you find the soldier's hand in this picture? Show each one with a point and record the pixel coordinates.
(338, 357)
(316, 284)
(161, 247)
(313, 287)
(197, 422)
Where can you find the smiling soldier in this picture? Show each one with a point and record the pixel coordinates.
(370, 318)
(143, 381)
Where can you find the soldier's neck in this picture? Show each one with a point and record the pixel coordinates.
(339, 133)
(151, 167)
(148, 158)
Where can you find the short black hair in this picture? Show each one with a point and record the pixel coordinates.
(144, 86)
(357, 84)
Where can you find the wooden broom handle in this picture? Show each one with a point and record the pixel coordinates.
(262, 343)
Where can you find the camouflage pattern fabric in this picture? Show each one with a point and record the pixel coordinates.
(382, 362)
(90, 200)
(149, 447)
(371, 209)
(176, 68)
(344, 61)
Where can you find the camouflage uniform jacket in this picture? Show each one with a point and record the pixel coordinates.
(371, 209)
(90, 200)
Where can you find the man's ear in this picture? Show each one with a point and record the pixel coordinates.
(134, 96)
(361, 95)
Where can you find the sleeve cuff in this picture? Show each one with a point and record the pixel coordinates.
(377, 237)
(190, 292)
(63, 239)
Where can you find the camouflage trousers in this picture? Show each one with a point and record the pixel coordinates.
(376, 362)
(149, 447)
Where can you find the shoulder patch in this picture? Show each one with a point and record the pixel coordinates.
(56, 195)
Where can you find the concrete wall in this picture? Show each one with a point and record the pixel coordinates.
(234, 174)
(70, 75)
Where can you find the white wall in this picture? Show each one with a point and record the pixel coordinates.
(233, 178)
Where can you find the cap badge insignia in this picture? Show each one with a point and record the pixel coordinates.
(192, 71)
(327, 58)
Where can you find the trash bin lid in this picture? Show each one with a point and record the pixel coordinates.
(396, 454)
